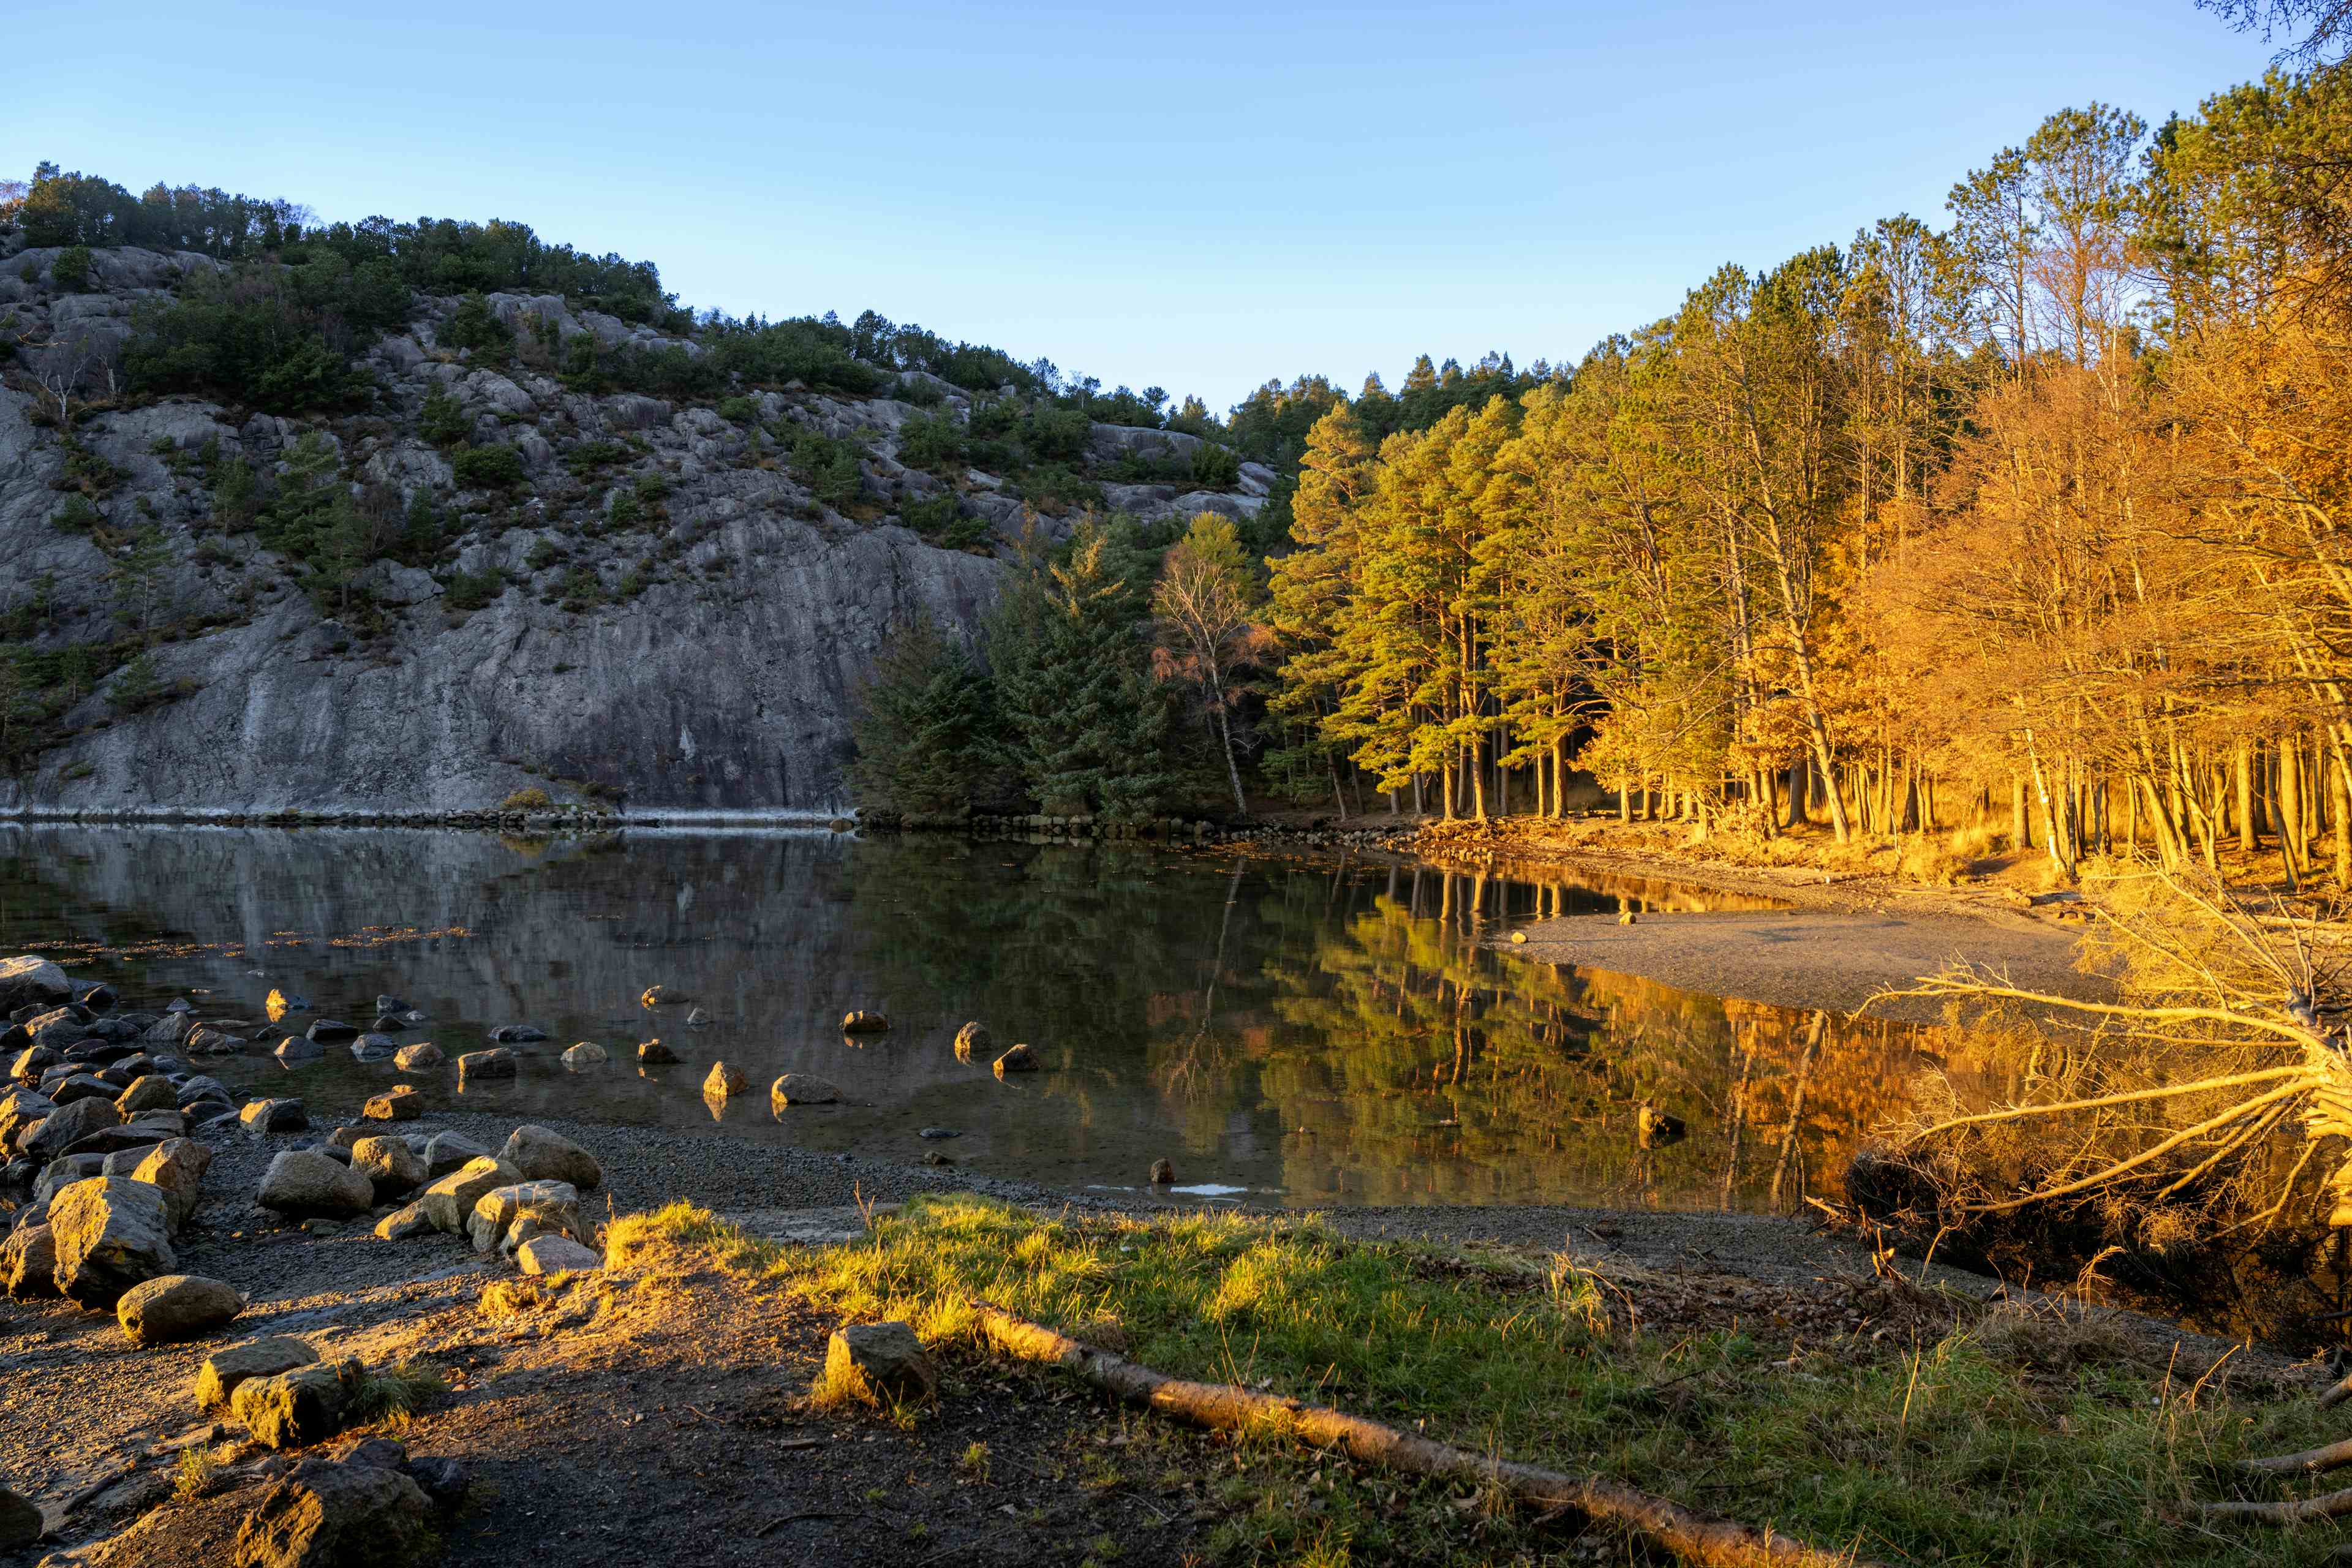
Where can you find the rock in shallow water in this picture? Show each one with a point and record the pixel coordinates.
(724, 1080)
(971, 1040)
(479, 1067)
(653, 1053)
(586, 1054)
(801, 1089)
(1020, 1058)
(862, 1022)
(422, 1057)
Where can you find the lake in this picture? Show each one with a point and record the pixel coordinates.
(1286, 1030)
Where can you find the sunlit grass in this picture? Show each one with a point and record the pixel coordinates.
(1990, 1445)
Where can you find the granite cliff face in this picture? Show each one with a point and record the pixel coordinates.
(661, 612)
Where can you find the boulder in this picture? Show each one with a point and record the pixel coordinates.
(264, 1116)
(496, 1210)
(169, 1029)
(403, 1102)
(724, 1080)
(447, 1151)
(391, 1166)
(153, 1093)
(110, 1232)
(67, 1126)
(517, 1035)
(653, 1053)
(222, 1370)
(28, 1263)
(586, 1054)
(545, 1156)
(27, 980)
(450, 1202)
(404, 1223)
(555, 1255)
(84, 1086)
(176, 1168)
(65, 1171)
(20, 1108)
(175, 1307)
(325, 1515)
(1020, 1058)
(476, 1065)
(971, 1040)
(26, 1064)
(304, 1183)
(863, 1022)
(331, 1031)
(881, 1362)
(289, 1409)
(20, 1521)
(422, 1057)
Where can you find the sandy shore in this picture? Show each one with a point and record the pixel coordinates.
(1816, 958)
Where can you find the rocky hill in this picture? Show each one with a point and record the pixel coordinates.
(620, 598)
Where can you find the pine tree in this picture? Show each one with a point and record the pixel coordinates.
(1083, 726)
(922, 723)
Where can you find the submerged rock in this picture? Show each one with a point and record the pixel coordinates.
(723, 1081)
(653, 1053)
(864, 1023)
(586, 1054)
(422, 1057)
(477, 1066)
(971, 1040)
(801, 1089)
(1020, 1058)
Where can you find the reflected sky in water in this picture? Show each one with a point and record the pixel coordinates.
(1312, 1031)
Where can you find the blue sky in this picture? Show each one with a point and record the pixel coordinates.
(1199, 197)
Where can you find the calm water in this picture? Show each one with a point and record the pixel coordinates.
(1300, 1032)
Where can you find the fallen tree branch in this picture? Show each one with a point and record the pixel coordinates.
(2310, 1462)
(1695, 1538)
(2327, 1505)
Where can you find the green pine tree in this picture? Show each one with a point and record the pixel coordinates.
(922, 723)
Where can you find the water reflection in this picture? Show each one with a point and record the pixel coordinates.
(1313, 1032)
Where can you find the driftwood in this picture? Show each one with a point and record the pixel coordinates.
(1693, 1536)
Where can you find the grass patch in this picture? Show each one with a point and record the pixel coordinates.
(2008, 1440)
(391, 1397)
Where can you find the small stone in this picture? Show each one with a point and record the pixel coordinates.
(331, 1031)
(659, 996)
(653, 1053)
(555, 1255)
(1626, 918)
(724, 1080)
(800, 1089)
(697, 1018)
(546, 1156)
(1020, 1058)
(391, 1166)
(265, 1116)
(405, 1102)
(175, 1307)
(518, 1034)
(881, 1362)
(1518, 938)
(586, 1054)
(422, 1057)
(1162, 1173)
(864, 1023)
(389, 1004)
(224, 1370)
(971, 1040)
(485, 1065)
(936, 1132)
(305, 1183)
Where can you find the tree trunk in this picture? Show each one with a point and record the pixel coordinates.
(1694, 1538)
(2245, 781)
